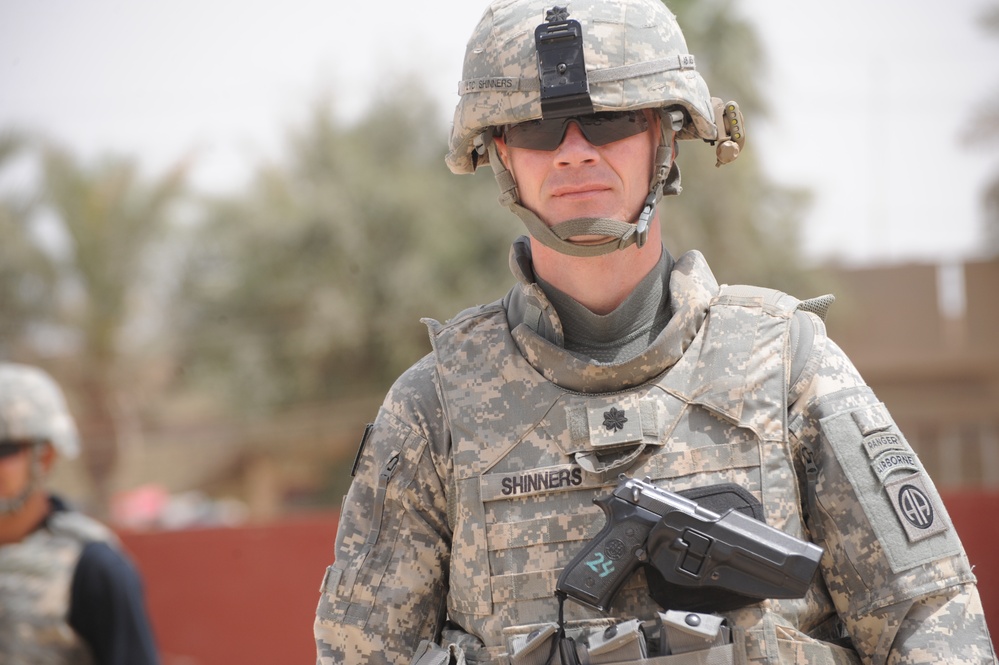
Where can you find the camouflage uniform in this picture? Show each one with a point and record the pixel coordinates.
(475, 483)
(36, 576)
(68, 594)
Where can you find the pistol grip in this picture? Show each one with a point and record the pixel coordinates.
(596, 573)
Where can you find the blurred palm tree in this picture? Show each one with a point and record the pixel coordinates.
(112, 221)
(310, 285)
(27, 277)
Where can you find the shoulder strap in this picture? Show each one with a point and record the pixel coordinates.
(81, 527)
(818, 305)
(802, 331)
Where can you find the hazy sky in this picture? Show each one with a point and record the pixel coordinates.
(870, 98)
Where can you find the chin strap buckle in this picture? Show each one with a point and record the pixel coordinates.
(642, 228)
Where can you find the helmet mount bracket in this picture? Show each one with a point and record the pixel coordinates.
(565, 91)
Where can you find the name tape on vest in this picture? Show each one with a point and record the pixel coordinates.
(524, 483)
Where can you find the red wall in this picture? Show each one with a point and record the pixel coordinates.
(974, 515)
(243, 595)
(248, 595)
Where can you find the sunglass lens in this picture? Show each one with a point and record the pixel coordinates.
(598, 128)
(10, 449)
(604, 128)
(536, 134)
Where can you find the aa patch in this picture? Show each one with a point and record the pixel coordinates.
(915, 507)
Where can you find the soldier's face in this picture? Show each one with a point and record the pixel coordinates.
(15, 469)
(580, 179)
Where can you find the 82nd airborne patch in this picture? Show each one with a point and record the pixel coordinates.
(915, 507)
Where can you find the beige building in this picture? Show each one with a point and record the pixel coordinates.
(926, 338)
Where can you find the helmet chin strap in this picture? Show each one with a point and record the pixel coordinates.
(620, 234)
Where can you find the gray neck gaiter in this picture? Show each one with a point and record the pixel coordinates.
(623, 333)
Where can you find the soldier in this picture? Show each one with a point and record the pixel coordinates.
(473, 488)
(67, 593)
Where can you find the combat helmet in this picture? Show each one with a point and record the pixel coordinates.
(530, 60)
(33, 409)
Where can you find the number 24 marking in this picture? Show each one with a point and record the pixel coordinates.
(601, 565)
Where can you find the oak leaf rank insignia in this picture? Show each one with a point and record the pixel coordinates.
(557, 14)
(614, 419)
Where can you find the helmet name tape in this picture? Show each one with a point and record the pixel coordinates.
(564, 89)
(681, 62)
(495, 83)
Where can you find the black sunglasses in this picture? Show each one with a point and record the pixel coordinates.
(598, 128)
(11, 448)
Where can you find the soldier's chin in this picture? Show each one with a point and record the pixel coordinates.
(586, 241)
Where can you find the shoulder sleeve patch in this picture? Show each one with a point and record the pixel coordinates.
(915, 507)
(894, 460)
(872, 419)
(879, 443)
(896, 494)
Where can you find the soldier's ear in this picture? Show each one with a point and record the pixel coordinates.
(47, 457)
(502, 150)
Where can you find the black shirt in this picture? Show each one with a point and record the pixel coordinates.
(107, 606)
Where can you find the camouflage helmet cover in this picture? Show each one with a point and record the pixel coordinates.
(635, 55)
(33, 407)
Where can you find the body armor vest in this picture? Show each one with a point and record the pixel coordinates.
(527, 468)
(35, 579)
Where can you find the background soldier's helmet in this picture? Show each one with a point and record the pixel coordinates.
(634, 53)
(32, 408)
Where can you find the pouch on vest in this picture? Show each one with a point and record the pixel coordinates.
(431, 653)
(534, 648)
(676, 637)
(620, 643)
(683, 632)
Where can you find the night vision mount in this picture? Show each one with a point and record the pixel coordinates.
(565, 92)
(731, 131)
